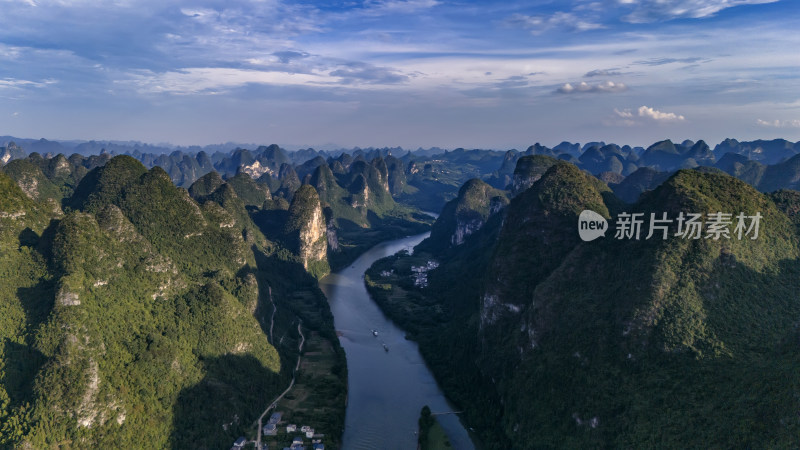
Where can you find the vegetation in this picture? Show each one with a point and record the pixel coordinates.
(360, 209)
(353, 240)
(431, 434)
(613, 343)
(466, 213)
(251, 193)
(318, 393)
(425, 424)
(140, 315)
(135, 311)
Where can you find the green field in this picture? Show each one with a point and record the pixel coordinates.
(437, 439)
(316, 397)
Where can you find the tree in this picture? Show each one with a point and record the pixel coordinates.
(425, 424)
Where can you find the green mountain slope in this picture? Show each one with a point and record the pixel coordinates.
(466, 213)
(138, 317)
(619, 343)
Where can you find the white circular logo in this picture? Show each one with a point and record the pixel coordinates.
(591, 225)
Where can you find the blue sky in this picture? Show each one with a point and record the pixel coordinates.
(474, 74)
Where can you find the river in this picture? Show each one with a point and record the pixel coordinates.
(386, 390)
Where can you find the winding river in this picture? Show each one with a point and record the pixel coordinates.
(386, 390)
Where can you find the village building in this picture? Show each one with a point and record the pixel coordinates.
(239, 443)
(420, 274)
(275, 417)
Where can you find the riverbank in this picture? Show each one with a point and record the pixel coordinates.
(313, 398)
(354, 240)
(442, 330)
(386, 390)
(289, 298)
(431, 434)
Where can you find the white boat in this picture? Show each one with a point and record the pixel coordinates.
(374, 332)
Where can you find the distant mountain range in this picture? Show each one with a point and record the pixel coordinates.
(432, 176)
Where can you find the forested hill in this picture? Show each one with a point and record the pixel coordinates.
(132, 313)
(427, 179)
(548, 341)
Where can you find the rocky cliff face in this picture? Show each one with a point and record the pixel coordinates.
(383, 173)
(306, 228)
(255, 169)
(9, 152)
(333, 237)
(368, 188)
(359, 192)
(314, 239)
(289, 181)
(467, 213)
(397, 175)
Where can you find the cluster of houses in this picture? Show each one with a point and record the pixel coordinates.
(420, 273)
(298, 443)
(271, 428)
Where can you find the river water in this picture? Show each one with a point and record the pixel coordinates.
(386, 390)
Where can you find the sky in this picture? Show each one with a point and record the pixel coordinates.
(411, 73)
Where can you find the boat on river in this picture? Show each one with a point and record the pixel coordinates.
(400, 378)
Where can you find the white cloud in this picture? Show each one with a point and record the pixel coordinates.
(663, 61)
(218, 80)
(398, 6)
(157, 55)
(650, 113)
(540, 24)
(213, 80)
(602, 73)
(795, 123)
(205, 15)
(592, 6)
(357, 73)
(646, 114)
(13, 83)
(602, 87)
(645, 11)
(625, 114)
